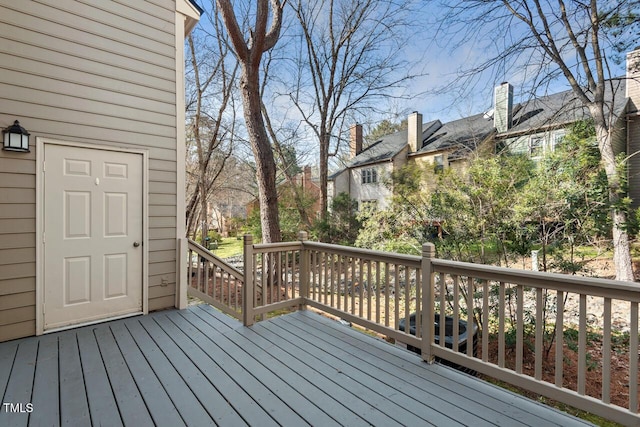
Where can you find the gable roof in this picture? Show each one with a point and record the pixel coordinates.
(466, 132)
(562, 108)
(387, 147)
(200, 10)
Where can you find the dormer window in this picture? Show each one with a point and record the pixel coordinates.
(369, 176)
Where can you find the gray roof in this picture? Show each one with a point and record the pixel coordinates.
(540, 113)
(200, 10)
(464, 133)
(561, 108)
(386, 148)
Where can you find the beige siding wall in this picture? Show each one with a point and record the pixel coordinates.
(91, 71)
(634, 161)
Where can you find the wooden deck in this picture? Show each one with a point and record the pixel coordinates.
(198, 367)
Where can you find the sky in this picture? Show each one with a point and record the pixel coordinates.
(439, 54)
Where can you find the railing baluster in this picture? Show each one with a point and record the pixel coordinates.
(501, 314)
(396, 297)
(325, 285)
(418, 303)
(485, 321)
(369, 282)
(559, 339)
(378, 292)
(539, 334)
(456, 312)
(470, 316)
(519, 328)
(443, 315)
(354, 279)
(633, 359)
(190, 269)
(360, 287)
(606, 352)
(407, 302)
(339, 281)
(582, 345)
(387, 286)
(199, 273)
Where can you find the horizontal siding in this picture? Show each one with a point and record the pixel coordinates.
(87, 37)
(95, 72)
(162, 245)
(22, 210)
(17, 225)
(14, 256)
(17, 315)
(92, 83)
(162, 291)
(162, 303)
(16, 271)
(16, 286)
(634, 161)
(162, 221)
(17, 330)
(23, 299)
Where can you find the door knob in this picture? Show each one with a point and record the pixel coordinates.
(136, 244)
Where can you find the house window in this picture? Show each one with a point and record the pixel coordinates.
(556, 139)
(536, 146)
(438, 163)
(369, 176)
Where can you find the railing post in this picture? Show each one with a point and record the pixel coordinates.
(184, 279)
(247, 289)
(428, 294)
(304, 270)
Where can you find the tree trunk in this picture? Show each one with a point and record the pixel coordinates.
(265, 163)
(621, 252)
(324, 171)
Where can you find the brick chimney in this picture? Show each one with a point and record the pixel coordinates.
(503, 108)
(355, 140)
(414, 131)
(306, 178)
(633, 80)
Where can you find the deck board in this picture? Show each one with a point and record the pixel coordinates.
(130, 403)
(75, 410)
(200, 367)
(442, 393)
(100, 397)
(45, 395)
(157, 399)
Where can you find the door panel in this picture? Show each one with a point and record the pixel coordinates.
(93, 215)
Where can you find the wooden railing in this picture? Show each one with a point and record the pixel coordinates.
(499, 315)
(214, 281)
(520, 311)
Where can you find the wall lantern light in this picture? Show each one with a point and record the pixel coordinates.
(16, 138)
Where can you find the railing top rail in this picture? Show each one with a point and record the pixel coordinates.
(614, 289)
(412, 260)
(207, 254)
(277, 246)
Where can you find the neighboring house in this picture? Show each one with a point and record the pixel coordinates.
(303, 181)
(92, 215)
(533, 127)
(365, 177)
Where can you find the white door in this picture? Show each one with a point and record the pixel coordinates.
(93, 219)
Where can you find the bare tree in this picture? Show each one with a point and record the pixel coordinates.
(547, 40)
(211, 91)
(249, 54)
(349, 59)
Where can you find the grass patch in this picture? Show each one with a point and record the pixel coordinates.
(228, 247)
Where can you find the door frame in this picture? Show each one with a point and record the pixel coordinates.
(40, 146)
